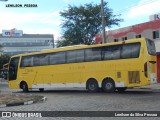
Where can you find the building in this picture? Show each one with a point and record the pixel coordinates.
(15, 42)
(149, 30)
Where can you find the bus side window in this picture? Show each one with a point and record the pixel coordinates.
(93, 54)
(111, 52)
(27, 61)
(75, 56)
(40, 60)
(130, 50)
(57, 58)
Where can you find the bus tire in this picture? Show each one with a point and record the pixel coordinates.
(24, 87)
(41, 89)
(92, 85)
(121, 89)
(108, 85)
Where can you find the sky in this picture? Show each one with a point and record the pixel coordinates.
(45, 18)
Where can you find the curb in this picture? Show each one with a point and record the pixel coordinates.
(3, 83)
(149, 88)
(23, 103)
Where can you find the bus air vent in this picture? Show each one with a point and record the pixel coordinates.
(133, 77)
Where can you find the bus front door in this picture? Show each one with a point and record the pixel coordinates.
(13, 71)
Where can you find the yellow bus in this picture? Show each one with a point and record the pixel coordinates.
(110, 66)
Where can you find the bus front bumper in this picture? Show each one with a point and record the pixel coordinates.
(153, 79)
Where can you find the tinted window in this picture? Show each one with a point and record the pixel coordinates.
(115, 40)
(75, 56)
(40, 60)
(151, 47)
(93, 54)
(80, 55)
(57, 58)
(71, 56)
(27, 61)
(124, 38)
(130, 50)
(138, 36)
(155, 34)
(111, 52)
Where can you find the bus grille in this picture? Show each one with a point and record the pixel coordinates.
(134, 77)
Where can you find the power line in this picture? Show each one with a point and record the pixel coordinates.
(136, 6)
(131, 7)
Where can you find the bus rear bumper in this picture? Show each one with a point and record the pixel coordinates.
(153, 79)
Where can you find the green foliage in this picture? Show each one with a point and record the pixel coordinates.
(1, 51)
(82, 23)
(3, 60)
(61, 43)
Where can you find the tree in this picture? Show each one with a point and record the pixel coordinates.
(3, 60)
(1, 51)
(62, 42)
(82, 23)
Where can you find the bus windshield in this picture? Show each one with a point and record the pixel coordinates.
(151, 47)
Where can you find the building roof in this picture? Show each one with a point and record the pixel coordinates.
(30, 36)
(138, 29)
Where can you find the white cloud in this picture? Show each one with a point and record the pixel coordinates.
(37, 22)
(18, 18)
(143, 8)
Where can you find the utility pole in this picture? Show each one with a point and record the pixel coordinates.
(103, 23)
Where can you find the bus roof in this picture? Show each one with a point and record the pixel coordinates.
(80, 46)
(74, 46)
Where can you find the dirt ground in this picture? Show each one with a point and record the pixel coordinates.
(17, 98)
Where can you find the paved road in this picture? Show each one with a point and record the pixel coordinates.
(81, 100)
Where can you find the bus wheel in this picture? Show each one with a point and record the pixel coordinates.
(41, 89)
(108, 85)
(24, 87)
(121, 89)
(92, 85)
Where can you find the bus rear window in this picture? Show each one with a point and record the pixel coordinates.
(151, 47)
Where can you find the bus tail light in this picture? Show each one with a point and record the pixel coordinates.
(145, 70)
